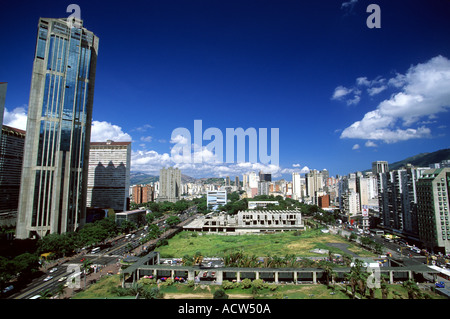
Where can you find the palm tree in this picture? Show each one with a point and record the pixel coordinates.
(85, 266)
(329, 273)
(384, 287)
(412, 288)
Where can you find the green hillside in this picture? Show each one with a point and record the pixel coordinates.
(422, 159)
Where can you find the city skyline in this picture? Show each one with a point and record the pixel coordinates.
(342, 95)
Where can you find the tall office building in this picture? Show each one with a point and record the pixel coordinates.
(11, 157)
(3, 86)
(55, 166)
(109, 175)
(170, 185)
(433, 205)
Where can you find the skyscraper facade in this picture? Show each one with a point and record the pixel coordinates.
(54, 175)
(170, 185)
(109, 175)
(433, 193)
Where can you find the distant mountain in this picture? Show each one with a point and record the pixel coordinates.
(137, 178)
(422, 159)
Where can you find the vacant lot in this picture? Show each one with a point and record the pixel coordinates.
(277, 244)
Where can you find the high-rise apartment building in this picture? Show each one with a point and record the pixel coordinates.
(314, 185)
(55, 165)
(109, 175)
(398, 199)
(433, 193)
(170, 185)
(380, 167)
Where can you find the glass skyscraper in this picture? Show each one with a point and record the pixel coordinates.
(54, 175)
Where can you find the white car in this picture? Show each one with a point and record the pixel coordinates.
(53, 270)
(48, 278)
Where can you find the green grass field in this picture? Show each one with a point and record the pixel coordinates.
(277, 244)
(104, 289)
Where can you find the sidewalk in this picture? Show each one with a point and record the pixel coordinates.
(92, 277)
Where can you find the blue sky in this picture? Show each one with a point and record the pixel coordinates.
(342, 94)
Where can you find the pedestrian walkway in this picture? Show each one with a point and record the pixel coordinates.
(92, 278)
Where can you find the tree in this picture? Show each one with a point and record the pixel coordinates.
(220, 294)
(173, 221)
(26, 264)
(328, 269)
(384, 287)
(413, 290)
(85, 266)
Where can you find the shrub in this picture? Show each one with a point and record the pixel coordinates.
(220, 294)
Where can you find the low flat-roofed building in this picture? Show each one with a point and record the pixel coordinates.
(136, 216)
(249, 222)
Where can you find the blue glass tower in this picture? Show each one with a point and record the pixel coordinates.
(54, 175)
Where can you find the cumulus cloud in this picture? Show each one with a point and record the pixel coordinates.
(16, 118)
(424, 93)
(102, 131)
(352, 95)
(355, 147)
(370, 144)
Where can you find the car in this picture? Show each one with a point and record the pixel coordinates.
(48, 278)
(440, 284)
(9, 288)
(53, 269)
(62, 278)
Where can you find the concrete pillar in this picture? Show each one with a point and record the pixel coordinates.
(410, 276)
(238, 276)
(314, 277)
(295, 277)
(256, 274)
(172, 274)
(191, 274)
(219, 277)
(391, 277)
(276, 277)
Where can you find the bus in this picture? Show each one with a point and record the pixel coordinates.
(95, 250)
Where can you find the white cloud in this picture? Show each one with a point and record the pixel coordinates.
(146, 138)
(340, 92)
(151, 162)
(424, 93)
(349, 4)
(295, 165)
(16, 118)
(376, 90)
(355, 147)
(370, 144)
(102, 131)
(179, 139)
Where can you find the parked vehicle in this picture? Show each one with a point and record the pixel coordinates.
(440, 284)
